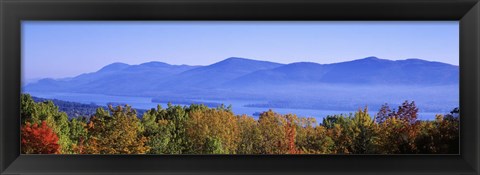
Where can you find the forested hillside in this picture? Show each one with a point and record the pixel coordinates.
(73, 109)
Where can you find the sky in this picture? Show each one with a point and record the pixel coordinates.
(59, 49)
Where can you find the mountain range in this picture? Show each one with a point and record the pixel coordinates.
(367, 71)
(234, 74)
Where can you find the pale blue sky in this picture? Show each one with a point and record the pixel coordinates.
(57, 49)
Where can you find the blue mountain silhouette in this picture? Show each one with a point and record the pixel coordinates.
(370, 70)
(235, 73)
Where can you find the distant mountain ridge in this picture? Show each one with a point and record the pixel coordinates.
(232, 74)
(370, 70)
(213, 75)
(117, 78)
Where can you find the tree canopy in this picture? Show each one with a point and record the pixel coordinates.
(198, 129)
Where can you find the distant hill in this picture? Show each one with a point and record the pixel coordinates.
(213, 75)
(367, 71)
(116, 78)
(402, 72)
(74, 110)
(234, 74)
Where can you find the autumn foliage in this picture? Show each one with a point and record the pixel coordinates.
(119, 133)
(39, 139)
(198, 129)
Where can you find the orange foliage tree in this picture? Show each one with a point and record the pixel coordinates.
(291, 133)
(39, 139)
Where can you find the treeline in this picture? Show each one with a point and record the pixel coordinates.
(198, 129)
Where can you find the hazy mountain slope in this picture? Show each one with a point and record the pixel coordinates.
(402, 72)
(369, 70)
(116, 78)
(237, 75)
(218, 73)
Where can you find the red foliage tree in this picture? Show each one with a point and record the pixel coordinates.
(39, 139)
(290, 134)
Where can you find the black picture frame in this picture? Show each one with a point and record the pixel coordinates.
(14, 11)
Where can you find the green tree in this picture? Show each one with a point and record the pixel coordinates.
(364, 133)
(213, 145)
(158, 131)
(341, 130)
(78, 133)
(176, 119)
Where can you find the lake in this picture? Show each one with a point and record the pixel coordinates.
(237, 105)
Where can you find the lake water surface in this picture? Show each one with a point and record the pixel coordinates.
(237, 105)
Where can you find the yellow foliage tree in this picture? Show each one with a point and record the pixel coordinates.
(213, 128)
(119, 133)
